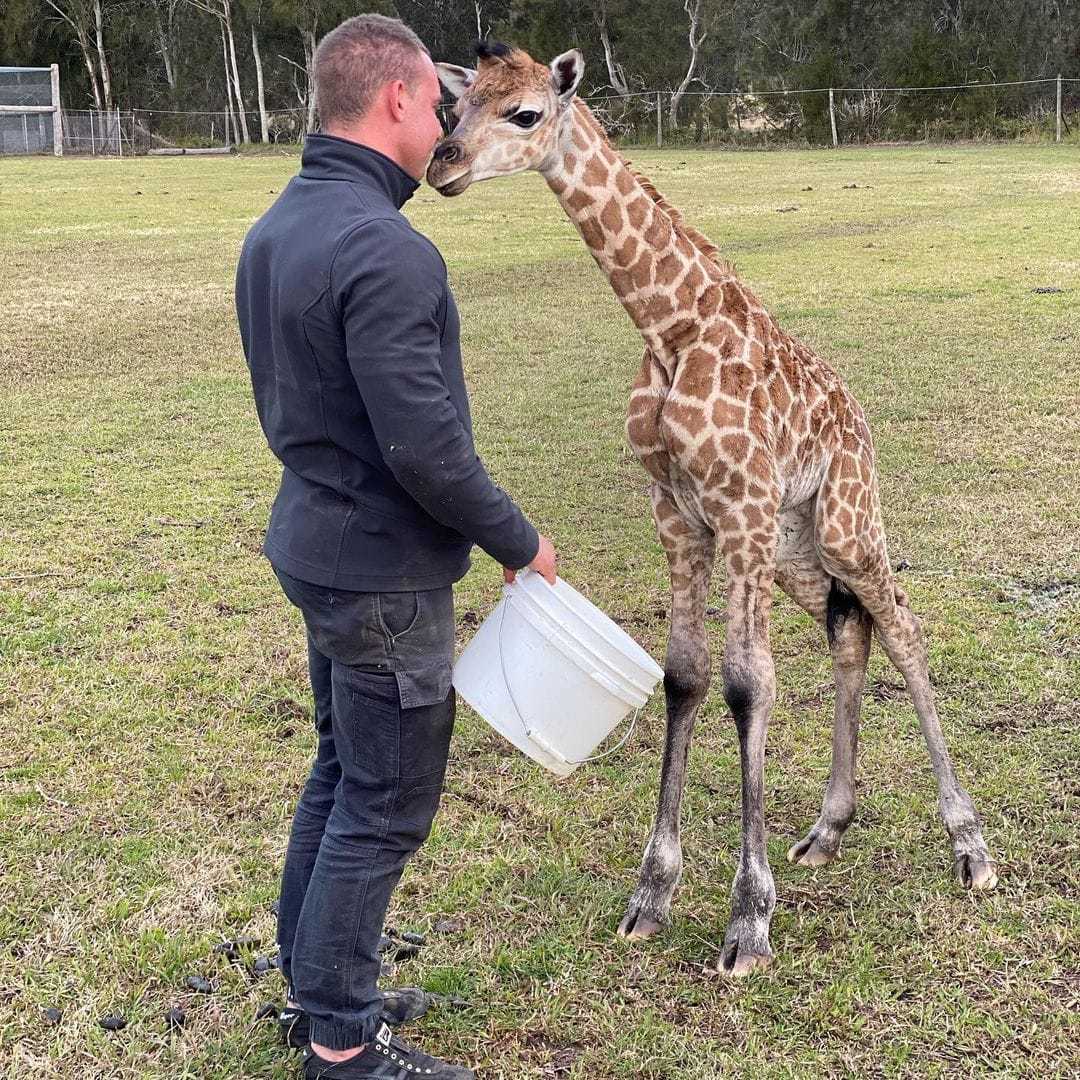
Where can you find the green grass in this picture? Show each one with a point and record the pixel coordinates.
(153, 708)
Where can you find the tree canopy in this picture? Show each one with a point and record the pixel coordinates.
(202, 54)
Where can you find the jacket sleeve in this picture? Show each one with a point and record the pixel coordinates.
(389, 286)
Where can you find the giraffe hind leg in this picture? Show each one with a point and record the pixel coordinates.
(901, 636)
(848, 628)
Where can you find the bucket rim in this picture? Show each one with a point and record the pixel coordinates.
(633, 693)
(530, 580)
(643, 666)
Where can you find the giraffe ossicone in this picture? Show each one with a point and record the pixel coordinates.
(757, 453)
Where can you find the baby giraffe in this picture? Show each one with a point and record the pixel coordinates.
(755, 449)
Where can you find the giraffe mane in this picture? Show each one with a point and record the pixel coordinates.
(678, 222)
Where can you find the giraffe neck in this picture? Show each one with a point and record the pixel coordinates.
(663, 280)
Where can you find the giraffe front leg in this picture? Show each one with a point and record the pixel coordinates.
(690, 552)
(750, 690)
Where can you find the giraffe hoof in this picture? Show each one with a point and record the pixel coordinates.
(637, 926)
(746, 948)
(976, 873)
(809, 852)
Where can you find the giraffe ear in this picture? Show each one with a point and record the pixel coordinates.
(456, 80)
(566, 72)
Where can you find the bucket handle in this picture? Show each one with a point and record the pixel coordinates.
(540, 741)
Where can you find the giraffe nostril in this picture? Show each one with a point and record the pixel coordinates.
(448, 152)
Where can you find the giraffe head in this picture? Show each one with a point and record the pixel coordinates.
(510, 114)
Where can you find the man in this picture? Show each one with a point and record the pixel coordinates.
(351, 335)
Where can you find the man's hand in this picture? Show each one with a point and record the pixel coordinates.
(543, 564)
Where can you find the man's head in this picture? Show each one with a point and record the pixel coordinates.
(510, 113)
(375, 84)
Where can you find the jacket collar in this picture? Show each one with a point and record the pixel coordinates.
(328, 157)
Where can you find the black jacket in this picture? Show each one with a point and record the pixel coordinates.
(352, 338)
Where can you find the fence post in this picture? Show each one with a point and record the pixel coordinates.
(93, 141)
(57, 119)
(832, 119)
(119, 135)
(659, 123)
(1058, 135)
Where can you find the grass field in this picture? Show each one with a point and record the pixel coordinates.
(154, 721)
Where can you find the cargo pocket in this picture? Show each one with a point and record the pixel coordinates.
(425, 745)
(428, 685)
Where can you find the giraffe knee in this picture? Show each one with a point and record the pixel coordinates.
(687, 671)
(747, 691)
(685, 687)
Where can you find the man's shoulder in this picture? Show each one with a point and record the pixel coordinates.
(387, 244)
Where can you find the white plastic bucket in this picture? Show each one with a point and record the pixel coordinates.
(552, 673)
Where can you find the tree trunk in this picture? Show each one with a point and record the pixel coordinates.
(697, 36)
(164, 50)
(226, 8)
(614, 71)
(264, 123)
(309, 65)
(229, 115)
(88, 59)
(103, 63)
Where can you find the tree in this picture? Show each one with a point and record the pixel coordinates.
(165, 25)
(222, 11)
(86, 19)
(698, 33)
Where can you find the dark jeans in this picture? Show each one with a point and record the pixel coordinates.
(380, 666)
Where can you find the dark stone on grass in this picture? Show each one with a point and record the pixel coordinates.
(385, 943)
(175, 1018)
(199, 984)
(268, 1010)
(406, 952)
(1046, 290)
(112, 1022)
(265, 964)
(232, 949)
(236, 944)
(53, 1016)
(413, 938)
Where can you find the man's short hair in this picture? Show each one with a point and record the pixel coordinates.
(359, 57)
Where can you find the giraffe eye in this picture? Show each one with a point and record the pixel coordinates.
(525, 119)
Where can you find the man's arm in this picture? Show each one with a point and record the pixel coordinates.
(388, 285)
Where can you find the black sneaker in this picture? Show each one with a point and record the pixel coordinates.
(384, 1058)
(400, 1006)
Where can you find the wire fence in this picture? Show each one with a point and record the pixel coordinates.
(1031, 109)
(1035, 109)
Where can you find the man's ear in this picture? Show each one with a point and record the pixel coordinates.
(566, 72)
(456, 80)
